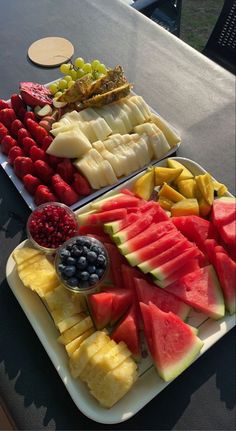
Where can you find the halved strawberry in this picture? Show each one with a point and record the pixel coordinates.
(27, 143)
(15, 126)
(8, 142)
(64, 191)
(17, 103)
(3, 131)
(81, 185)
(43, 194)
(31, 183)
(66, 170)
(4, 104)
(15, 152)
(23, 166)
(37, 153)
(43, 171)
(7, 116)
(21, 134)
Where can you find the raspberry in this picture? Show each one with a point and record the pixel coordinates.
(21, 134)
(81, 185)
(37, 153)
(43, 171)
(64, 191)
(14, 153)
(7, 116)
(3, 104)
(31, 183)
(27, 143)
(52, 225)
(23, 166)
(43, 194)
(15, 126)
(3, 132)
(66, 170)
(7, 143)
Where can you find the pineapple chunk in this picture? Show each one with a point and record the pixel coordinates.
(144, 185)
(116, 383)
(61, 304)
(169, 193)
(185, 174)
(27, 263)
(68, 322)
(93, 364)
(87, 349)
(75, 331)
(205, 185)
(166, 175)
(22, 254)
(74, 344)
(185, 207)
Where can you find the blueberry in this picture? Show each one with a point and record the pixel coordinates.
(80, 241)
(82, 262)
(73, 281)
(91, 269)
(71, 261)
(92, 256)
(76, 251)
(94, 248)
(101, 251)
(93, 279)
(70, 246)
(61, 267)
(99, 272)
(85, 250)
(87, 242)
(101, 260)
(69, 271)
(64, 254)
(84, 275)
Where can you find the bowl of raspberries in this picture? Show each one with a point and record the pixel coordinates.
(50, 225)
(82, 263)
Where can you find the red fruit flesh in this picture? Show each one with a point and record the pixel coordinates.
(3, 104)
(17, 103)
(35, 94)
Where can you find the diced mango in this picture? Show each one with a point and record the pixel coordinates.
(185, 207)
(144, 185)
(205, 185)
(170, 193)
(165, 203)
(188, 188)
(204, 207)
(166, 175)
(185, 174)
(219, 188)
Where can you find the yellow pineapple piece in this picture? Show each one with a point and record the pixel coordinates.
(93, 364)
(76, 330)
(166, 175)
(62, 304)
(185, 174)
(165, 203)
(87, 349)
(170, 193)
(111, 360)
(68, 322)
(205, 185)
(204, 207)
(188, 188)
(22, 254)
(185, 207)
(144, 185)
(27, 263)
(74, 344)
(116, 383)
(220, 188)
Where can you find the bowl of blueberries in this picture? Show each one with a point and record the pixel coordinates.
(82, 263)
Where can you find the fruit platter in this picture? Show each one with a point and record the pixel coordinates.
(75, 138)
(159, 286)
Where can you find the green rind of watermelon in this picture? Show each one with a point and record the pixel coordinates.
(152, 233)
(148, 292)
(175, 346)
(92, 217)
(118, 201)
(201, 290)
(174, 248)
(128, 332)
(115, 226)
(193, 265)
(133, 229)
(96, 205)
(226, 271)
(164, 271)
(223, 211)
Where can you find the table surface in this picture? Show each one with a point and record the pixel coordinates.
(198, 98)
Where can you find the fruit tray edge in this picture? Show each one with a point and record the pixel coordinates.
(148, 384)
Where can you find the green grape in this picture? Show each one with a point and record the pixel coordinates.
(80, 73)
(64, 68)
(62, 84)
(70, 83)
(67, 78)
(97, 75)
(79, 62)
(73, 74)
(87, 68)
(58, 94)
(102, 68)
(95, 64)
(53, 88)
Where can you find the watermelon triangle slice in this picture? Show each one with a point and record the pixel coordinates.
(147, 292)
(175, 345)
(226, 270)
(122, 300)
(128, 332)
(100, 305)
(201, 290)
(223, 211)
(228, 233)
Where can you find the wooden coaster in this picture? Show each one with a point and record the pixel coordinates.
(50, 51)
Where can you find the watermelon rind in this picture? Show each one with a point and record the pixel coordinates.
(165, 270)
(84, 218)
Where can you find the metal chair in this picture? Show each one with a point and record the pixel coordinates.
(166, 13)
(221, 46)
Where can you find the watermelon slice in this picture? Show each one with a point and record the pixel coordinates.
(118, 201)
(152, 233)
(92, 217)
(201, 290)
(147, 324)
(228, 233)
(226, 270)
(122, 300)
(100, 305)
(126, 191)
(165, 301)
(166, 269)
(115, 226)
(91, 229)
(223, 211)
(195, 228)
(116, 260)
(193, 265)
(174, 344)
(175, 246)
(128, 332)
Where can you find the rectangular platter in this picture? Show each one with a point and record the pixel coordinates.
(148, 384)
(29, 199)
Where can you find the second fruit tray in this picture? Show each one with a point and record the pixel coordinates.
(149, 384)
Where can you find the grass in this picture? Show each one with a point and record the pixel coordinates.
(198, 20)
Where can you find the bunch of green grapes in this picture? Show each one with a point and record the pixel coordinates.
(74, 71)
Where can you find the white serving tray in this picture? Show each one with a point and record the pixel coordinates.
(148, 384)
(29, 199)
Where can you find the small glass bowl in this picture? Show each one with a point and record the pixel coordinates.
(54, 229)
(82, 286)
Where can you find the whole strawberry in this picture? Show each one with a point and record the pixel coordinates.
(27, 143)
(81, 185)
(17, 104)
(31, 183)
(37, 153)
(7, 116)
(46, 142)
(66, 170)
(3, 132)
(8, 142)
(43, 194)
(64, 191)
(3, 104)
(40, 135)
(31, 115)
(21, 134)
(53, 161)
(43, 171)
(23, 166)
(14, 153)
(15, 126)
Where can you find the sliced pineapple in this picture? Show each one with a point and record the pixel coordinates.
(93, 364)
(27, 263)
(74, 344)
(68, 322)
(62, 304)
(78, 329)
(22, 254)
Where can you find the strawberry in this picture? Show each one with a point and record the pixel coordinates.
(23, 166)
(27, 143)
(31, 183)
(43, 171)
(46, 142)
(64, 191)
(31, 126)
(31, 115)
(21, 134)
(21, 113)
(15, 126)
(14, 153)
(53, 160)
(4, 104)
(40, 135)
(37, 153)
(3, 132)
(17, 103)
(7, 143)
(81, 185)
(43, 194)
(7, 116)
(66, 170)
